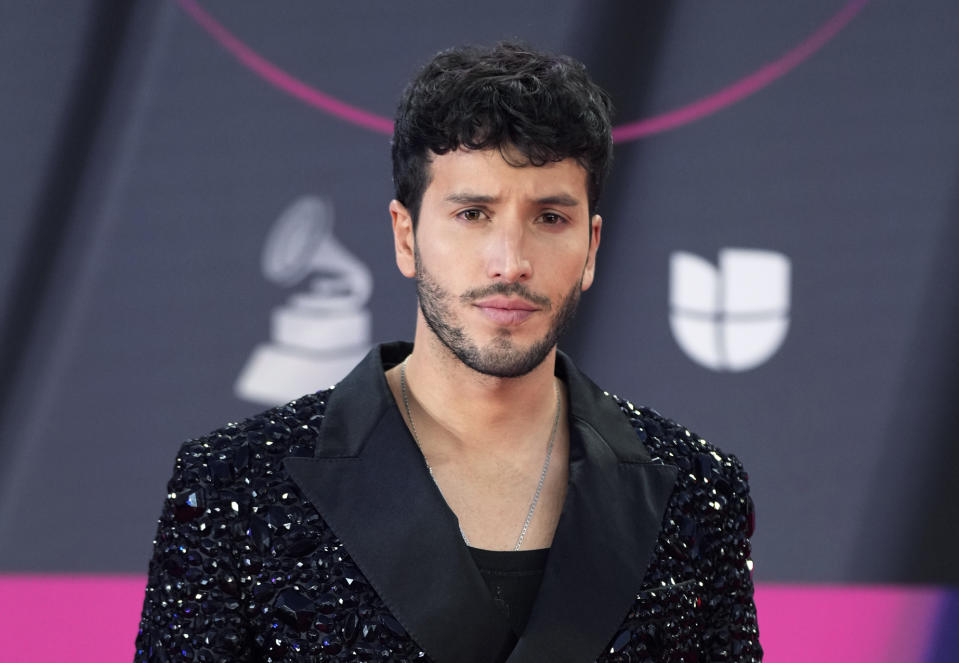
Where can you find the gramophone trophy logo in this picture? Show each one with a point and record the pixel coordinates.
(320, 333)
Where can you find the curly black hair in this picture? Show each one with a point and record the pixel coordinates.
(508, 96)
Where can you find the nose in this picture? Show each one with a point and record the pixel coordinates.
(507, 258)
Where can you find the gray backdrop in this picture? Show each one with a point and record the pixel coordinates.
(144, 165)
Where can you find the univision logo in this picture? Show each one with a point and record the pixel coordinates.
(732, 318)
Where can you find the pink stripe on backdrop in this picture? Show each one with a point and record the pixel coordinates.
(76, 618)
(92, 619)
(847, 624)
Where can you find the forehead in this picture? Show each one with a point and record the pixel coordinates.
(490, 173)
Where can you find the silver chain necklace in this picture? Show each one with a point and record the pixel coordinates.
(542, 476)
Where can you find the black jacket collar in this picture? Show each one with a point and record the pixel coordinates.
(369, 482)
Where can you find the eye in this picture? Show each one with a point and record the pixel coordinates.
(552, 218)
(472, 215)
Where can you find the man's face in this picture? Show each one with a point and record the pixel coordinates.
(500, 255)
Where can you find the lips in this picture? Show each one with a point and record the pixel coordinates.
(506, 311)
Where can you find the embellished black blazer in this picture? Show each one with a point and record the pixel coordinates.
(313, 532)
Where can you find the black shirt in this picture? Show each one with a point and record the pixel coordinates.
(513, 578)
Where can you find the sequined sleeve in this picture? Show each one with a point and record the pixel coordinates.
(193, 608)
(731, 632)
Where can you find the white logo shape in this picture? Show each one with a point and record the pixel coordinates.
(319, 335)
(733, 318)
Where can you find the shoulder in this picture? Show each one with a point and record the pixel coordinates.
(234, 471)
(671, 442)
(255, 445)
(703, 467)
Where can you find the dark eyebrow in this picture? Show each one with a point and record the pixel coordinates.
(465, 198)
(470, 199)
(560, 200)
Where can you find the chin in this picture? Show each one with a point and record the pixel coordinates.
(502, 357)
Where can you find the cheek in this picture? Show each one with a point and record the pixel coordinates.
(567, 262)
(447, 267)
(451, 259)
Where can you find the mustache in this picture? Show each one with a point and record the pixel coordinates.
(506, 290)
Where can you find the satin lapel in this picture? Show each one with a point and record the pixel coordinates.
(604, 542)
(370, 484)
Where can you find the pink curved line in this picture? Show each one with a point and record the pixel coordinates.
(691, 112)
(282, 80)
(744, 87)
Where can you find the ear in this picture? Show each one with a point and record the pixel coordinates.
(595, 230)
(404, 240)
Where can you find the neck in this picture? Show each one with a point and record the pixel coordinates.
(478, 411)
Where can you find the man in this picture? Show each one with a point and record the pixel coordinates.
(472, 497)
